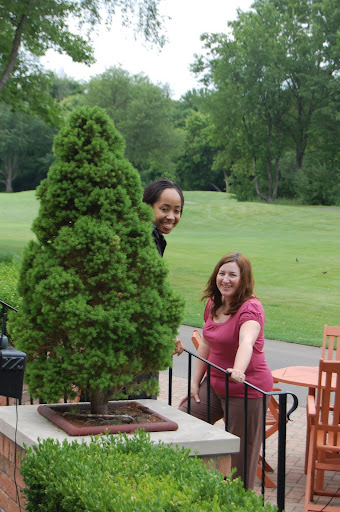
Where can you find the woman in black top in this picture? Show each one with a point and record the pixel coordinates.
(167, 201)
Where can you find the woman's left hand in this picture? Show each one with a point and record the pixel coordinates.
(236, 375)
(179, 348)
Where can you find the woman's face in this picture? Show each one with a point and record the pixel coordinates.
(167, 210)
(228, 279)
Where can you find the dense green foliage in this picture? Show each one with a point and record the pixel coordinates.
(25, 149)
(128, 474)
(142, 112)
(275, 81)
(298, 297)
(96, 308)
(265, 123)
(28, 30)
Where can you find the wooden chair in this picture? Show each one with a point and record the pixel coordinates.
(331, 343)
(272, 422)
(330, 351)
(323, 415)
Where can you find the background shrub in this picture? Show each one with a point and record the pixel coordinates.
(318, 184)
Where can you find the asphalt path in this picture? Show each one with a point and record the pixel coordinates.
(279, 354)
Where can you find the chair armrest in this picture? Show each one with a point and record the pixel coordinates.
(310, 408)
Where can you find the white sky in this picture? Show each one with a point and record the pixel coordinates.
(189, 19)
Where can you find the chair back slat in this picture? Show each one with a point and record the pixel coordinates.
(323, 442)
(328, 401)
(331, 343)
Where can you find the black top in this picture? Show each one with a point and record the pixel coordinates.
(159, 240)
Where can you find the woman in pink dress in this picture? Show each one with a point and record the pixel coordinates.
(233, 340)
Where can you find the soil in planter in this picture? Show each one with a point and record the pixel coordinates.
(125, 413)
(76, 419)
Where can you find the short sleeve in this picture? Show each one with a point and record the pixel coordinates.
(251, 310)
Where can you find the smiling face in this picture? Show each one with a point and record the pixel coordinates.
(228, 280)
(167, 210)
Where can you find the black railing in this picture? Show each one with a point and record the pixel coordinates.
(283, 417)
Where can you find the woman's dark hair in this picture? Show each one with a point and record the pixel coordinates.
(244, 291)
(152, 192)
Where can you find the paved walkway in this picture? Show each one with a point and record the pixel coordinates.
(295, 452)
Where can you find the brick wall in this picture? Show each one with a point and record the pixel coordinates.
(11, 482)
(221, 463)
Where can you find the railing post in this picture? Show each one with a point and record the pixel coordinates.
(281, 458)
(170, 387)
(208, 397)
(189, 384)
(264, 413)
(245, 437)
(226, 412)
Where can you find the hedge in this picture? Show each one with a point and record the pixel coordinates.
(127, 473)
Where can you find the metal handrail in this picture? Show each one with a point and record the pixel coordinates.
(284, 416)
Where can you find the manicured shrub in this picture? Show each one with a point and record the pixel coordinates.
(97, 308)
(128, 474)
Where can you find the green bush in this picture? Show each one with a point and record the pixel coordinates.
(125, 474)
(242, 183)
(318, 184)
(97, 308)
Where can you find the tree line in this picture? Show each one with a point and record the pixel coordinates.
(264, 122)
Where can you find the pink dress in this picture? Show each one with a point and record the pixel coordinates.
(223, 339)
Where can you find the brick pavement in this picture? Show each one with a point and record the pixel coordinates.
(295, 453)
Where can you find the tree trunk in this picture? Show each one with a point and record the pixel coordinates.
(14, 52)
(227, 186)
(98, 402)
(216, 187)
(10, 172)
(257, 186)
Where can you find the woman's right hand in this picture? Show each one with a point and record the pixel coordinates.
(194, 393)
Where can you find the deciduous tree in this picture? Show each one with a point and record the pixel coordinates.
(25, 149)
(143, 113)
(272, 78)
(29, 28)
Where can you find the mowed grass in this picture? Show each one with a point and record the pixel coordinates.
(17, 212)
(299, 297)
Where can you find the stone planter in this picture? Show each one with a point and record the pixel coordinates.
(210, 443)
(146, 418)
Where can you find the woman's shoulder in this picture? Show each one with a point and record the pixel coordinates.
(252, 306)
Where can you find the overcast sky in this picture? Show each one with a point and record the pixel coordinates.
(189, 19)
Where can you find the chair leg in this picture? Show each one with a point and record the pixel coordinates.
(307, 445)
(309, 493)
(267, 467)
(319, 479)
(268, 482)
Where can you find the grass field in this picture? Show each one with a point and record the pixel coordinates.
(299, 297)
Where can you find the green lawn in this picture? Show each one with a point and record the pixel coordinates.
(297, 296)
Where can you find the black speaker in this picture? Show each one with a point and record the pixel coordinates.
(12, 362)
(12, 370)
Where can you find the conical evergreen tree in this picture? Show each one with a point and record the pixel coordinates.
(97, 308)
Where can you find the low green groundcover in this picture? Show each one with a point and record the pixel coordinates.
(127, 473)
